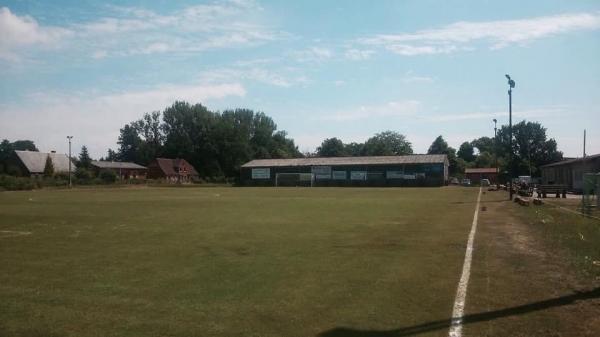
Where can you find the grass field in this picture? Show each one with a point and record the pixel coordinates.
(229, 261)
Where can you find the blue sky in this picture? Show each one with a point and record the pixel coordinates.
(345, 69)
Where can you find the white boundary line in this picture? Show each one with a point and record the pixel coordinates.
(461, 292)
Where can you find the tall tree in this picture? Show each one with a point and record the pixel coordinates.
(440, 146)
(483, 144)
(387, 143)
(354, 149)
(112, 155)
(331, 147)
(466, 152)
(48, 167)
(531, 148)
(129, 144)
(84, 158)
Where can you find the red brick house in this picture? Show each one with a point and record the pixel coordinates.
(172, 170)
(476, 174)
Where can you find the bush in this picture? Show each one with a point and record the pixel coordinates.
(108, 176)
(83, 175)
(11, 183)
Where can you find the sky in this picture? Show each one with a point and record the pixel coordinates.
(320, 69)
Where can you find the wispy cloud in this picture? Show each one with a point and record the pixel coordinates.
(389, 109)
(410, 77)
(312, 54)
(493, 34)
(517, 113)
(95, 119)
(359, 54)
(130, 31)
(23, 32)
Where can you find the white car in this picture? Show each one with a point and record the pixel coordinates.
(485, 182)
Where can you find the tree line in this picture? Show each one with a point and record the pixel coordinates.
(218, 143)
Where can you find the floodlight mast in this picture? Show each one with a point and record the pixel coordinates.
(511, 85)
(70, 182)
(496, 150)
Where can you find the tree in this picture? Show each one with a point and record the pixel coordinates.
(5, 151)
(129, 144)
(354, 149)
(331, 147)
(531, 148)
(440, 146)
(49, 167)
(387, 143)
(112, 155)
(483, 144)
(466, 152)
(84, 158)
(24, 145)
(485, 159)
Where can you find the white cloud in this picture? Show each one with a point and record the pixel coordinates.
(339, 83)
(410, 77)
(95, 119)
(258, 71)
(359, 54)
(313, 54)
(517, 113)
(495, 34)
(130, 31)
(390, 109)
(19, 32)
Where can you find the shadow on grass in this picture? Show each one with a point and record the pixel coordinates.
(472, 318)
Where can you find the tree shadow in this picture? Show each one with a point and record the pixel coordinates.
(471, 318)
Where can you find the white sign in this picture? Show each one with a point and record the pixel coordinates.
(261, 173)
(339, 175)
(394, 175)
(358, 175)
(410, 176)
(321, 172)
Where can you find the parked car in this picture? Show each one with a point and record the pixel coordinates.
(485, 182)
(466, 182)
(454, 181)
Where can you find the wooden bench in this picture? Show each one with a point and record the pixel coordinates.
(559, 190)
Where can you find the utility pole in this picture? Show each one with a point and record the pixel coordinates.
(70, 182)
(511, 85)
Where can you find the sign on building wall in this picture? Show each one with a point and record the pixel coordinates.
(261, 173)
(358, 175)
(339, 175)
(321, 172)
(410, 176)
(394, 175)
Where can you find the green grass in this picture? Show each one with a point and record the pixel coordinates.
(229, 261)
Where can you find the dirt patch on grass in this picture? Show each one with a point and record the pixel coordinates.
(524, 284)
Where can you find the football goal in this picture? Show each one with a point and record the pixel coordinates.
(294, 179)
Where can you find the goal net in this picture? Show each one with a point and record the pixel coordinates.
(294, 179)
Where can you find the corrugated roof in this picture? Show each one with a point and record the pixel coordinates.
(36, 161)
(338, 161)
(572, 161)
(481, 170)
(117, 165)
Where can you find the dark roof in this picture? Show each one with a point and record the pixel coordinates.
(337, 161)
(572, 161)
(481, 170)
(168, 166)
(117, 165)
(36, 161)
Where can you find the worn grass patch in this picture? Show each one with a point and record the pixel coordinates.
(229, 261)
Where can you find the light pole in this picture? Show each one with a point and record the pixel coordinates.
(70, 182)
(511, 85)
(496, 150)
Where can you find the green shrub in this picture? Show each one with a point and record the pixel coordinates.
(11, 183)
(83, 175)
(108, 176)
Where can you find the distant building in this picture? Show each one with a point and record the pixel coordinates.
(409, 170)
(476, 174)
(32, 163)
(172, 170)
(570, 172)
(123, 170)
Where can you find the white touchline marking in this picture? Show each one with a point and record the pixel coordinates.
(461, 292)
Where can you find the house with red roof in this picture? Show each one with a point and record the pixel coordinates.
(172, 170)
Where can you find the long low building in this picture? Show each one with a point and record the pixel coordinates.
(409, 170)
(570, 172)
